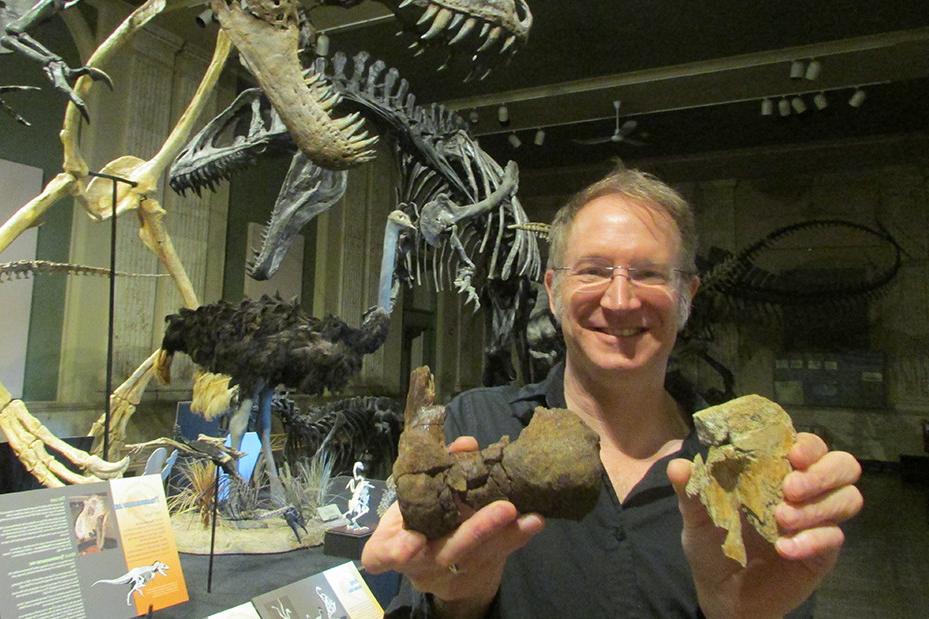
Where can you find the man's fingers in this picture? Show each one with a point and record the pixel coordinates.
(485, 524)
(391, 545)
(807, 449)
(829, 472)
(820, 545)
(692, 510)
(835, 507)
(463, 443)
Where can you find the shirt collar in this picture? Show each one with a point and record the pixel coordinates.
(549, 392)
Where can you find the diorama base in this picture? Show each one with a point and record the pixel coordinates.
(242, 537)
(346, 542)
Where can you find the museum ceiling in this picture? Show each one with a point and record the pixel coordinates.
(691, 75)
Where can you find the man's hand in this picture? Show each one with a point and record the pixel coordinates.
(463, 569)
(819, 494)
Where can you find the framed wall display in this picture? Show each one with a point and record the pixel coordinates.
(19, 183)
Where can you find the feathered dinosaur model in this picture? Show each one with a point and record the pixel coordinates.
(265, 343)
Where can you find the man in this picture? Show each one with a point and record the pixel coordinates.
(620, 280)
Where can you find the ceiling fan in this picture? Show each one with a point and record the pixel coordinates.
(620, 134)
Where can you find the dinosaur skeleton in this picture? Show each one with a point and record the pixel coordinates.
(266, 33)
(22, 269)
(462, 202)
(137, 577)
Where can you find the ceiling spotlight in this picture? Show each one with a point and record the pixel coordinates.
(514, 140)
(767, 107)
(204, 18)
(783, 106)
(322, 44)
(857, 98)
(813, 70)
(503, 115)
(798, 104)
(796, 69)
(539, 138)
(474, 117)
(820, 101)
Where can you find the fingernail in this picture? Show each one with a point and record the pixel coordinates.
(786, 545)
(531, 520)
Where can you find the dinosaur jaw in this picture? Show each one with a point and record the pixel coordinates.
(308, 190)
(246, 129)
(267, 38)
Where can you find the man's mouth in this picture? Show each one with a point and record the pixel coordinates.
(624, 332)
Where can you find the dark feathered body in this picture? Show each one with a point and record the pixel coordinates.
(269, 341)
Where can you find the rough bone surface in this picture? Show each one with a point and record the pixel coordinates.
(749, 438)
(553, 468)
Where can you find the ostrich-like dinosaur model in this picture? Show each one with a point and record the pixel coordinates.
(265, 343)
(266, 34)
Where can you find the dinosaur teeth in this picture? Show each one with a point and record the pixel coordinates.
(428, 14)
(342, 123)
(465, 30)
(484, 29)
(509, 42)
(442, 19)
(491, 38)
(457, 19)
(406, 3)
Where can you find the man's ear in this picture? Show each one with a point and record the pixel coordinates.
(550, 290)
(694, 286)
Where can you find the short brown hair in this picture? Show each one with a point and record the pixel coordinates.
(639, 186)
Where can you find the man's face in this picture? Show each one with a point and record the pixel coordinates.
(624, 325)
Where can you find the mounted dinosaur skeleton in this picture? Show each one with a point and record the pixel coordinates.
(461, 201)
(267, 36)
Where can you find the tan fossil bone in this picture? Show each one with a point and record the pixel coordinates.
(552, 468)
(749, 438)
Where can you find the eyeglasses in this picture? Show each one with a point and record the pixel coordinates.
(597, 277)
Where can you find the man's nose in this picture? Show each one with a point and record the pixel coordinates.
(620, 293)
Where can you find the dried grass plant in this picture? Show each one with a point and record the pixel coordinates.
(198, 492)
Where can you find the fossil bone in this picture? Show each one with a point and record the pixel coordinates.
(749, 438)
(553, 468)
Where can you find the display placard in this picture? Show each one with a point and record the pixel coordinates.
(89, 550)
(339, 592)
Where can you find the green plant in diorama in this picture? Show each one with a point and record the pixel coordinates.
(307, 487)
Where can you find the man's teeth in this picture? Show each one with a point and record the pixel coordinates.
(628, 332)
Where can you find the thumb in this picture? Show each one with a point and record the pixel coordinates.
(692, 510)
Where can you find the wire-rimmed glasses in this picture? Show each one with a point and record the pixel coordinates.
(596, 277)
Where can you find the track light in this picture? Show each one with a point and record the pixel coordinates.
(503, 115)
(514, 140)
(857, 98)
(820, 101)
(783, 106)
(474, 117)
(767, 107)
(798, 104)
(796, 69)
(204, 18)
(539, 138)
(322, 44)
(813, 70)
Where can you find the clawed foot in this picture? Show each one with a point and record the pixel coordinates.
(63, 76)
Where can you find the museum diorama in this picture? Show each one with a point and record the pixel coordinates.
(251, 249)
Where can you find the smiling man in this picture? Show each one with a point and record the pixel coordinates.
(621, 278)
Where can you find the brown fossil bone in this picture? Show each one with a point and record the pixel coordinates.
(749, 438)
(553, 468)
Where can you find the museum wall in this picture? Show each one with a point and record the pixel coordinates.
(734, 212)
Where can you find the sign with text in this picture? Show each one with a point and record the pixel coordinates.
(337, 593)
(90, 550)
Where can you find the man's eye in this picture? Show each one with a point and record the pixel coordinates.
(654, 276)
(593, 271)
